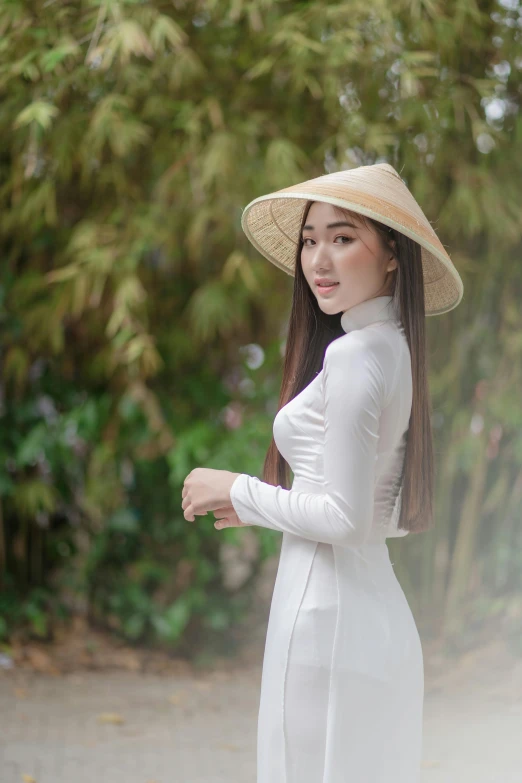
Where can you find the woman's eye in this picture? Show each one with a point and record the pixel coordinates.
(309, 239)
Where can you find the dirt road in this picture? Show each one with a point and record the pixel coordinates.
(111, 726)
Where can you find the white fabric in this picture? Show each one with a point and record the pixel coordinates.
(343, 683)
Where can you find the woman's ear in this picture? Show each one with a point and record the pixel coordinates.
(392, 261)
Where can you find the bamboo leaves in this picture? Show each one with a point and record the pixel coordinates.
(39, 113)
(120, 42)
(113, 124)
(166, 33)
(285, 162)
(52, 60)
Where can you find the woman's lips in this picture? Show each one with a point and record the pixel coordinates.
(326, 289)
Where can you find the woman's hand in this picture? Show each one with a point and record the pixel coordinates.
(204, 490)
(227, 517)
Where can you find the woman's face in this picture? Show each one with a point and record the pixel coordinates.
(343, 251)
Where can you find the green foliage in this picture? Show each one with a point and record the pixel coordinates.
(133, 136)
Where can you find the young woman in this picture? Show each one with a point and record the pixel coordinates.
(343, 682)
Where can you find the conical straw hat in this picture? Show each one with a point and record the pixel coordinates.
(272, 223)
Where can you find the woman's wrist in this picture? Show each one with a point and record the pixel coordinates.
(233, 477)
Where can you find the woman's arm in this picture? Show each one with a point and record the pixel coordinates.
(358, 377)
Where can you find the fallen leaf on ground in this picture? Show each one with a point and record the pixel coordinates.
(178, 698)
(110, 717)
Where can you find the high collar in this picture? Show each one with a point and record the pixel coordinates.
(380, 308)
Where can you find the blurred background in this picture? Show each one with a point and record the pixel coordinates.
(142, 335)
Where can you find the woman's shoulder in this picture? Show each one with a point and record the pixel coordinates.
(376, 340)
(374, 349)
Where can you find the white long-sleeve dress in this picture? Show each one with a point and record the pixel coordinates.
(343, 682)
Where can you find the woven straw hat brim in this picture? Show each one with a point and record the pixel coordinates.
(272, 223)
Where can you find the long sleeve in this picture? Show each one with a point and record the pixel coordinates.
(358, 378)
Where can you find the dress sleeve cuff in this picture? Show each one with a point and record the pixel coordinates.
(239, 497)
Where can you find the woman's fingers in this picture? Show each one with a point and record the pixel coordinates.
(222, 523)
(225, 516)
(223, 512)
(229, 519)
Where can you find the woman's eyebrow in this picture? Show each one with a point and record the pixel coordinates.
(332, 225)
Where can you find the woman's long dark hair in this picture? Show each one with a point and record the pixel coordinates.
(309, 333)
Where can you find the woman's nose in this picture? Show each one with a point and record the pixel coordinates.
(321, 257)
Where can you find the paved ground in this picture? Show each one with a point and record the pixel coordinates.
(112, 726)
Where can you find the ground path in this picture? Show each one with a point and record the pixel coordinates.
(199, 726)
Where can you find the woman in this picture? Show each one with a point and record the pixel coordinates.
(343, 684)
